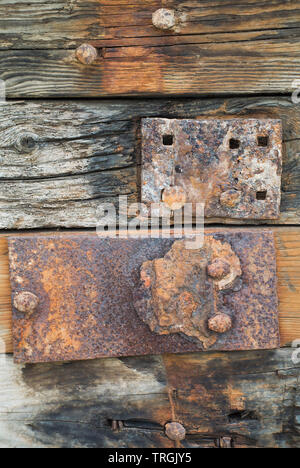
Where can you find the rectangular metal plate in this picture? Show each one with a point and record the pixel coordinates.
(232, 166)
(111, 297)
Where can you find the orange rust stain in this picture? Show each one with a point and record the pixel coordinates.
(236, 398)
(57, 283)
(137, 70)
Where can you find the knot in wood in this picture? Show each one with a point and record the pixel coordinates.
(175, 431)
(220, 323)
(86, 54)
(164, 18)
(26, 142)
(26, 302)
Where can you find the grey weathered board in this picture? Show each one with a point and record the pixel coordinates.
(251, 397)
(60, 159)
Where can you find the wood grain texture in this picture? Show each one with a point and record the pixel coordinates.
(233, 67)
(61, 159)
(252, 398)
(66, 23)
(288, 266)
(217, 47)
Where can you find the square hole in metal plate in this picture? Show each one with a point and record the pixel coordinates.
(230, 166)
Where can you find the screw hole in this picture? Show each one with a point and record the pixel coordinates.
(234, 144)
(263, 141)
(262, 195)
(168, 140)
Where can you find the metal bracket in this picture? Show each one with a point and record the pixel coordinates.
(233, 167)
(81, 297)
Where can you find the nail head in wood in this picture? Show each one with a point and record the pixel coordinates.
(86, 54)
(175, 431)
(164, 19)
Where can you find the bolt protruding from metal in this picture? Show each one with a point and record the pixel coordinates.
(164, 18)
(218, 269)
(26, 302)
(174, 197)
(230, 198)
(175, 431)
(86, 54)
(220, 323)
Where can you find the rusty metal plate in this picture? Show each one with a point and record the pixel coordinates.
(232, 166)
(82, 297)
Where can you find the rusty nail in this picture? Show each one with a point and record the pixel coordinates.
(26, 302)
(230, 198)
(116, 425)
(164, 18)
(218, 268)
(220, 323)
(86, 54)
(225, 442)
(175, 431)
(174, 197)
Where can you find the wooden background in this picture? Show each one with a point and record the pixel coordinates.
(70, 140)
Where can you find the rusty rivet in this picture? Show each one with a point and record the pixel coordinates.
(164, 18)
(86, 54)
(230, 198)
(175, 431)
(220, 323)
(218, 268)
(174, 197)
(26, 302)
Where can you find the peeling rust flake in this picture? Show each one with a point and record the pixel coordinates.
(231, 166)
(97, 297)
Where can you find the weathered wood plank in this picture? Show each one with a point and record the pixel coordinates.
(72, 405)
(67, 23)
(59, 160)
(253, 398)
(288, 261)
(234, 67)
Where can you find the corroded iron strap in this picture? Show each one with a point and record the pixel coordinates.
(81, 297)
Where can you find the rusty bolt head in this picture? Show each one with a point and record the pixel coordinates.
(175, 431)
(220, 323)
(26, 302)
(230, 198)
(218, 269)
(174, 197)
(86, 54)
(164, 19)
